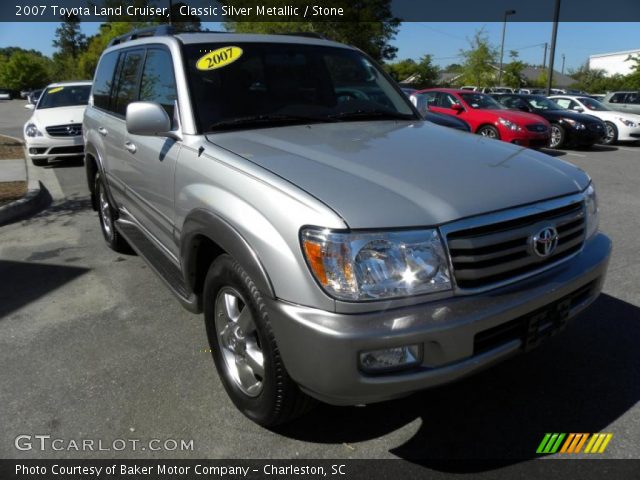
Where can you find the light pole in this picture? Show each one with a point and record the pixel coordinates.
(562, 71)
(504, 29)
(554, 36)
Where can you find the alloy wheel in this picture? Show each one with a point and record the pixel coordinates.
(238, 339)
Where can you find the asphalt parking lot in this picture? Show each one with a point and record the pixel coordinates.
(92, 345)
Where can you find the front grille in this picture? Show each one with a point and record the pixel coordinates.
(494, 253)
(66, 150)
(70, 130)
(538, 127)
(533, 326)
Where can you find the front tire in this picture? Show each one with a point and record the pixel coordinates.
(611, 135)
(489, 132)
(558, 136)
(244, 347)
(108, 216)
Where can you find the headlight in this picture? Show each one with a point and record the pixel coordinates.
(32, 131)
(574, 124)
(509, 124)
(591, 204)
(370, 266)
(626, 122)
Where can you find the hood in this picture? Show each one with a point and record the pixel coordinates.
(46, 117)
(612, 115)
(385, 174)
(578, 117)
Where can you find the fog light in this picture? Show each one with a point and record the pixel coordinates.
(391, 358)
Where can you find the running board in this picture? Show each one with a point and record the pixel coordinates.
(160, 263)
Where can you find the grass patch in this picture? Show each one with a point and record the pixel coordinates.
(10, 191)
(10, 149)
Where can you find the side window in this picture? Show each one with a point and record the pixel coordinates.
(127, 89)
(563, 102)
(158, 81)
(104, 80)
(446, 100)
(632, 98)
(617, 98)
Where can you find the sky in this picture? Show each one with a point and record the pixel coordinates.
(441, 40)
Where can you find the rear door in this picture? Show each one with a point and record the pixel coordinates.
(632, 102)
(125, 91)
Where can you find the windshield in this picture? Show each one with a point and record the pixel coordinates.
(65, 96)
(543, 103)
(481, 101)
(594, 105)
(257, 84)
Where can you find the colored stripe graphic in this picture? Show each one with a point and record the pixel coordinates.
(551, 443)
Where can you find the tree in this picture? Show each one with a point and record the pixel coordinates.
(402, 69)
(366, 24)
(69, 42)
(477, 67)
(632, 81)
(25, 69)
(427, 72)
(512, 75)
(541, 81)
(69, 39)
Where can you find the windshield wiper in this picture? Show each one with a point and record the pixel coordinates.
(264, 119)
(363, 114)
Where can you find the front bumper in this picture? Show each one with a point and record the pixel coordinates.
(45, 147)
(583, 137)
(529, 139)
(320, 349)
(628, 134)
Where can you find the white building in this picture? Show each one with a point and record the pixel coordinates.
(613, 63)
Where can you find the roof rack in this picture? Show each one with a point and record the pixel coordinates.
(305, 34)
(158, 30)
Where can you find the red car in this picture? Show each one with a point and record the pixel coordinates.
(487, 117)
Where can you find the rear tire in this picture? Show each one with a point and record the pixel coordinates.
(489, 132)
(558, 136)
(244, 347)
(40, 162)
(611, 135)
(108, 216)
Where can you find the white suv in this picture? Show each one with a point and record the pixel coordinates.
(55, 128)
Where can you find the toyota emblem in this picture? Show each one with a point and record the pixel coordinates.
(544, 242)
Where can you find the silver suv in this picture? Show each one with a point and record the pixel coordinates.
(340, 247)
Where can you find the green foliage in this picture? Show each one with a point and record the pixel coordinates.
(402, 69)
(512, 73)
(367, 24)
(595, 80)
(477, 67)
(541, 81)
(426, 72)
(24, 69)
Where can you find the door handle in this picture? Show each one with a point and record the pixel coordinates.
(131, 147)
(102, 131)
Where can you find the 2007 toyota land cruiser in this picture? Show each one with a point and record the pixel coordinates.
(340, 247)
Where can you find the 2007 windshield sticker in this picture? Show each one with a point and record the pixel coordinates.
(219, 58)
(56, 90)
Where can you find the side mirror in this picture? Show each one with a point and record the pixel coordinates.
(457, 107)
(578, 109)
(30, 106)
(148, 118)
(523, 108)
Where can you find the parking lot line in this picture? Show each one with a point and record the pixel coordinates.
(575, 154)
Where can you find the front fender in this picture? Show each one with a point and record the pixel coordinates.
(216, 229)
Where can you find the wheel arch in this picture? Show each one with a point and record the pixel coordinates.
(203, 238)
